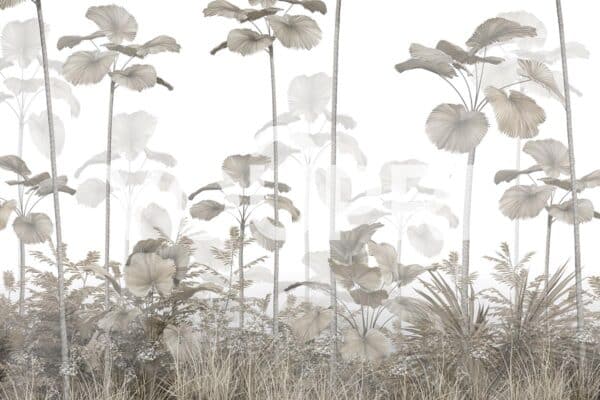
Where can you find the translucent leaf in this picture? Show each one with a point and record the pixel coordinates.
(155, 221)
(23, 86)
(21, 42)
(426, 239)
(91, 192)
(131, 133)
(268, 234)
(39, 131)
(309, 96)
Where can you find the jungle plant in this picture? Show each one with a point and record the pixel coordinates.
(20, 68)
(459, 128)
(115, 26)
(242, 188)
(130, 137)
(403, 201)
(308, 99)
(534, 312)
(373, 299)
(292, 31)
(505, 73)
(528, 201)
(573, 178)
(55, 185)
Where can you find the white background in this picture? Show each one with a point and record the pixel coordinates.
(220, 101)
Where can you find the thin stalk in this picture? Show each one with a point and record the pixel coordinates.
(275, 192)
(64, 341)
(22, 253)
(333, 173)
(399, 261)
(547, 257)
(577, 248)
(107, 356)
(307, 257)
(517, 233)
(241, 270)
(464, 280)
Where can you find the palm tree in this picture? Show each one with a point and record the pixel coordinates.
(22, 47)
(333, 166)
(90, 67)
(59, 243)
(292, 31)
(459, 128)
(577, 248)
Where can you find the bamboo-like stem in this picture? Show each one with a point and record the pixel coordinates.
(275, 192)
(64, 341)
(517, 232)
(333, 174)
(576, 239)
(241, 270)
(547, 256)
(464, 279)
(22, 253)
(107, 356)
(306, 215)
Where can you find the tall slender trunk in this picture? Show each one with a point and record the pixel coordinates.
(569, 115)
(111, 103)
(126, 244)
(517, 233)
(547, 257)
(307, 256)
(22, 254)
(464, 279)
(333, 169)
(241, 270)
(64, 341)
(275, 192)
(399, 261)
(107, 356)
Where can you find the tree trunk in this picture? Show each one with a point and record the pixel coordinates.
(547, 258)
(464, 279)
(275, 192)
(107, 356)
(64, 341)
(241, 271)
(22, 253)
(577, 249)
(333, 172)
(307, 256)
(517, 237)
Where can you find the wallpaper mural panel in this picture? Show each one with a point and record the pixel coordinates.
(298, 199)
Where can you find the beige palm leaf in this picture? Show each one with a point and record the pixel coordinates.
(518, 115)
(453, 128)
